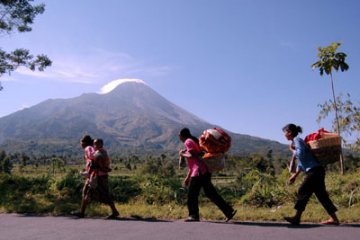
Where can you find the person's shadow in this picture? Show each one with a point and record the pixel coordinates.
(285, 224)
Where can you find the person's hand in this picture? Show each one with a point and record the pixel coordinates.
(186, 182)
(181, 152)
(292, 179)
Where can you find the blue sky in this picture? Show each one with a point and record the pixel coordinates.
(242, 64)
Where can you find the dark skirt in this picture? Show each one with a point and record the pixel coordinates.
(100, 193)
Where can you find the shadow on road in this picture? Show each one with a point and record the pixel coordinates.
(284, 224)
(153, 219)
(132, 218)
(139, 218)
(278, 224)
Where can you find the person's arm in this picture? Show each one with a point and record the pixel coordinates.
(293, 177)
(188, 154)
(187, 179)
(298, 152)
(300, 149)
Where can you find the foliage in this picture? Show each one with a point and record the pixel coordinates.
(124, 189)
(263, 190)
(329, 59)
(158, 190)
(19, 15)
(250, 189)
(349, 118)
(161, 166)
(5, 163)
(24, 194)
(70, 186)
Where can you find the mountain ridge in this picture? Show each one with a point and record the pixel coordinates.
(130, 118)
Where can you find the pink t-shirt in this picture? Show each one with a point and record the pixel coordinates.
(195, 165)
(88, 157)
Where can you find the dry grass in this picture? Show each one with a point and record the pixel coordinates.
(314, 212)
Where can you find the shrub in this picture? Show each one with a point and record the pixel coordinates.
(157, 190)
(70, 186)
(264, 190)
(124, 188)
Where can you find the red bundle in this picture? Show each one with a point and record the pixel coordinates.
(215, 140)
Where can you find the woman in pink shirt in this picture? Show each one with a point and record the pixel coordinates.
(199, 177)
(87, 144)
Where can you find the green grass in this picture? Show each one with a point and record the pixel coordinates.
(257, 196)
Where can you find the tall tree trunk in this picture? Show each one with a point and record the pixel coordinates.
(337, 123)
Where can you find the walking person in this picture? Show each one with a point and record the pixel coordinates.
(199, 177)
(96, 185)
(314, 181)
(86, 143)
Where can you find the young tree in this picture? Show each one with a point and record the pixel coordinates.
(18, 15)
(329, 59)
(349, 118)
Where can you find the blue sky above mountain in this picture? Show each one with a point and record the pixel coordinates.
(241, 64)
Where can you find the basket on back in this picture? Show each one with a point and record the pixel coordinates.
(325, 146)
(215, 142)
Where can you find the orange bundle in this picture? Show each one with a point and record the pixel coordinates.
(215, 140)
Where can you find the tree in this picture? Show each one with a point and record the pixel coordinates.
(349, 118)
(329, 59)
(19, 15)
(5, 163)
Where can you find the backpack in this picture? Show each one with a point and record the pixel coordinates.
(214, 142)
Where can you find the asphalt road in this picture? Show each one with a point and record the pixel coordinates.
(14, 227)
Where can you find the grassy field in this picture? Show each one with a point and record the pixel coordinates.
(257, 196)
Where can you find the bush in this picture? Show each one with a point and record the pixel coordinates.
(24, 194)
(70, 186)
(264, 190)
(157, 190)
(124, 188)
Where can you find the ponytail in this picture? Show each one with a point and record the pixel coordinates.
(293, 129)
(185, 133)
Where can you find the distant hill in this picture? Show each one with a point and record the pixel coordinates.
(132, 118)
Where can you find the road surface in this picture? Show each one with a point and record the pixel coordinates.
(16, 227)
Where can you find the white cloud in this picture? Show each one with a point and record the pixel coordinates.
(113, 84)
(94, 66)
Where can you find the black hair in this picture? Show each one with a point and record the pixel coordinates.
(87, 140)
(185, 133)
(295, 130)
(99, 141)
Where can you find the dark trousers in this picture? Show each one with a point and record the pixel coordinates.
(204, 181)
(314, 182)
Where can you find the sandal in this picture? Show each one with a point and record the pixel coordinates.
(330, 222)
(113, 215)
(292, 220)
(192, 219)
(232, 214)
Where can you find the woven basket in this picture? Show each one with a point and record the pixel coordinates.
(215, 162)
(327, 149)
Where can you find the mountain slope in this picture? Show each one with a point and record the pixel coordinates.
(131, 118)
